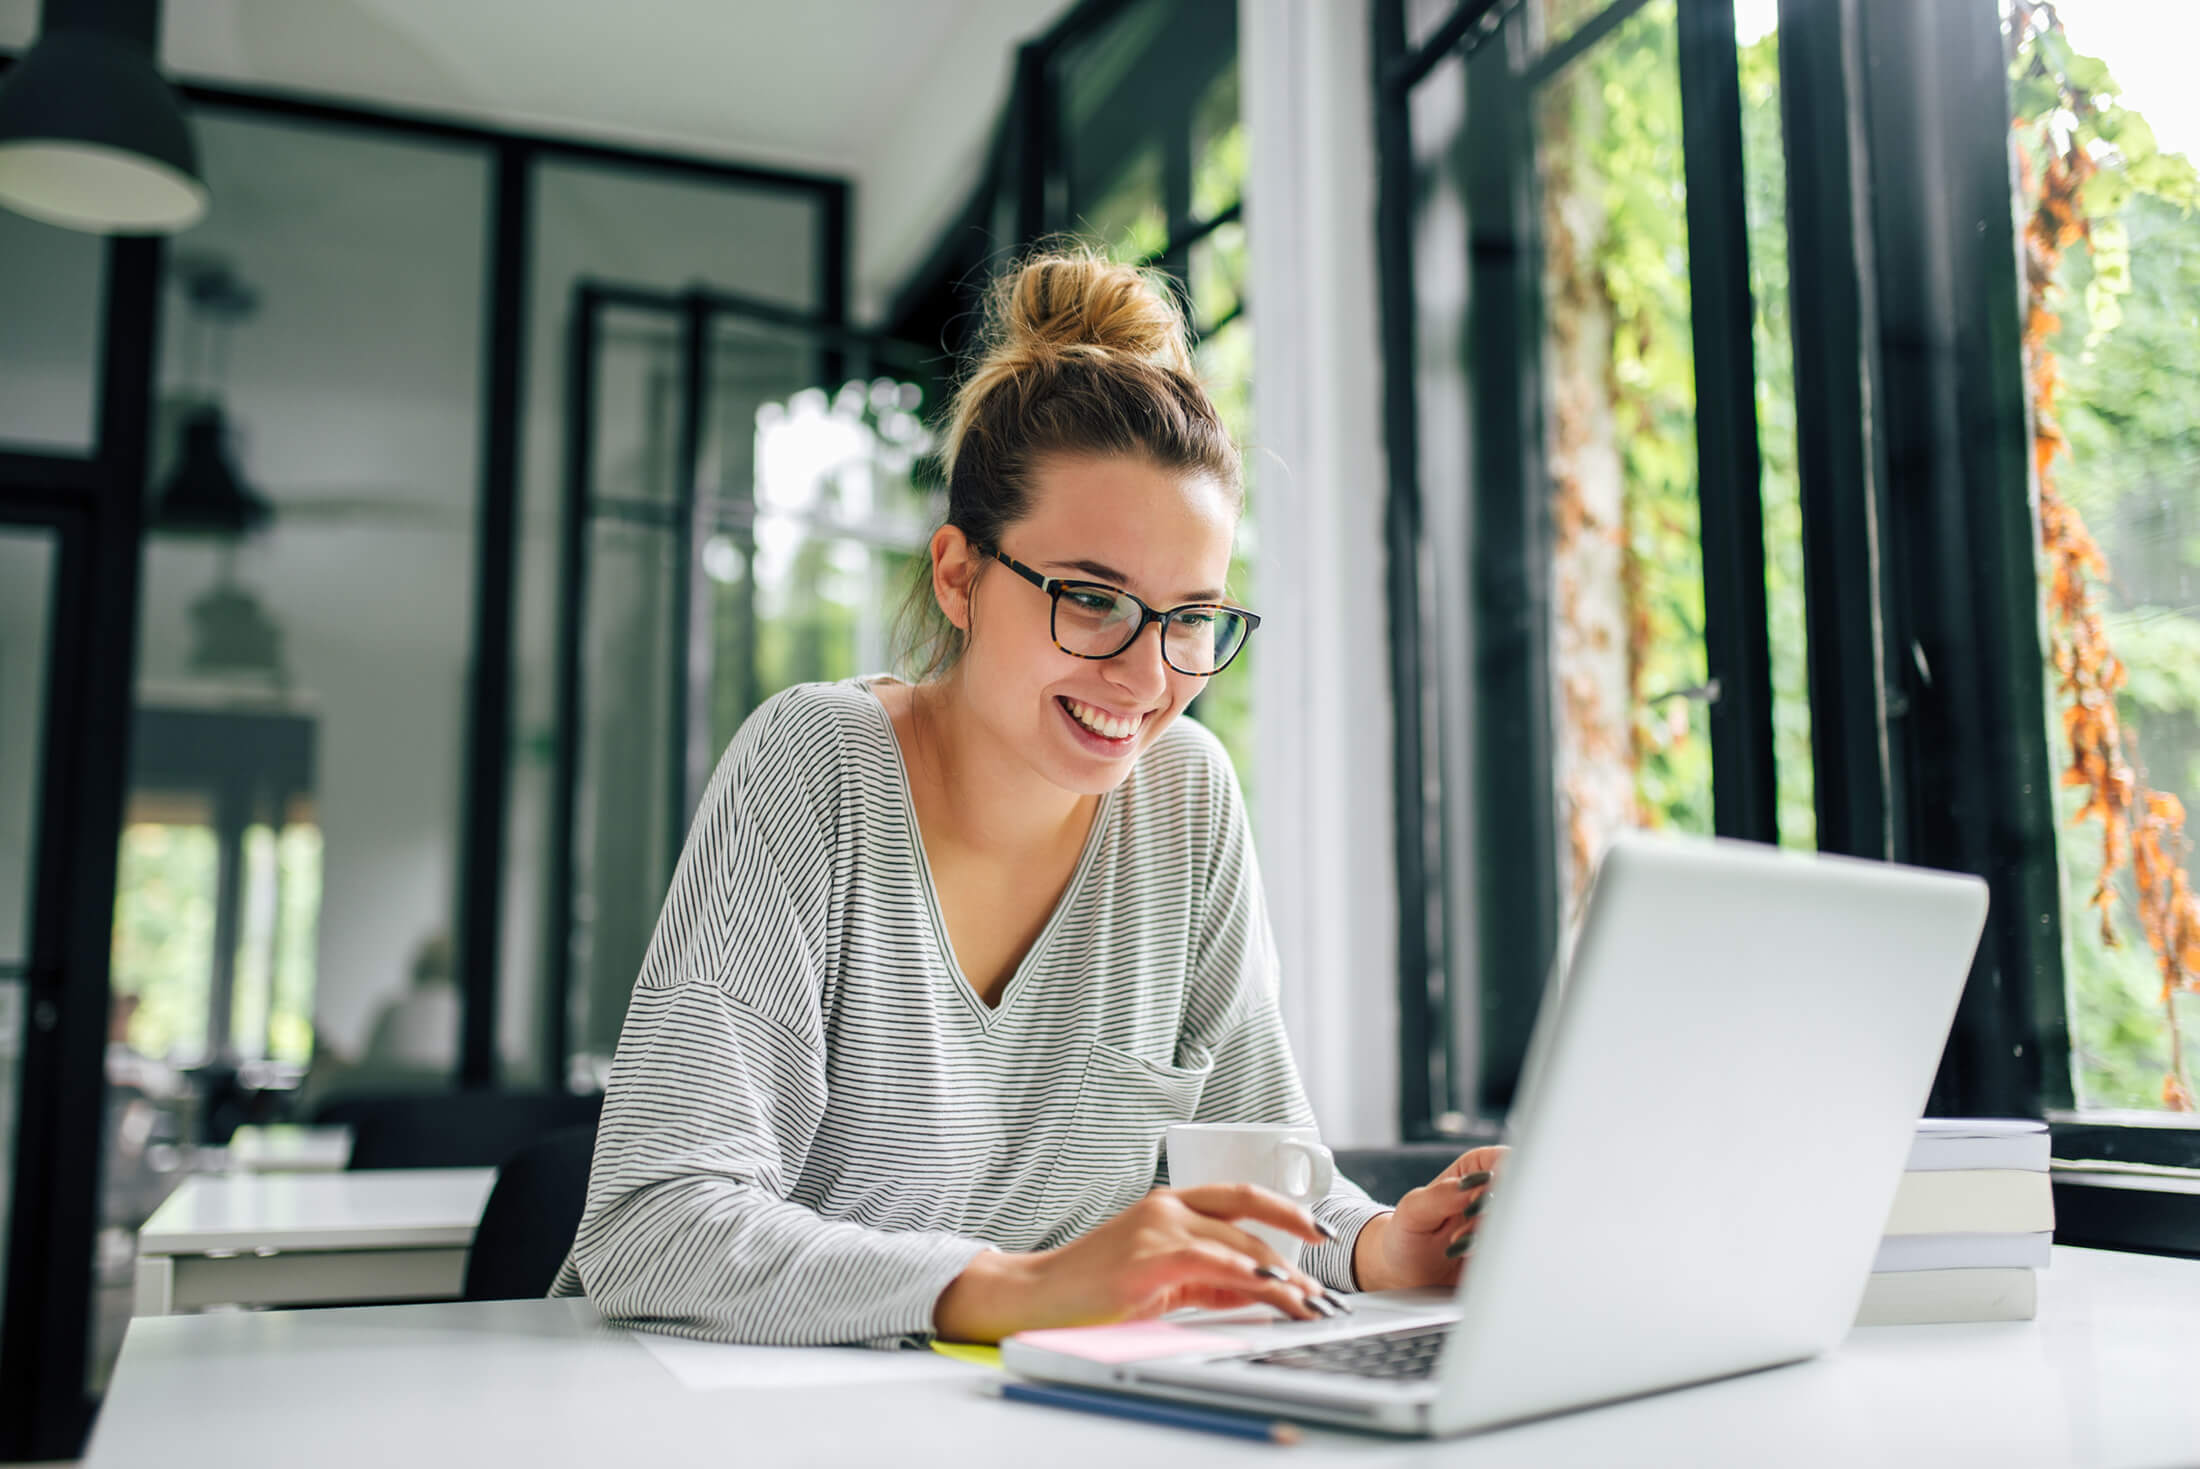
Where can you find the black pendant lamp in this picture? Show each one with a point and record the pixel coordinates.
(205, 496)
(91, 137)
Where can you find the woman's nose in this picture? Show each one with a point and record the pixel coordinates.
(1140, 670)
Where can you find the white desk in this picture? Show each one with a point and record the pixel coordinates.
(2109, 1375)
(284, 1148)
(296, 1239)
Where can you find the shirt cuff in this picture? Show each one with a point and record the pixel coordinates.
(1331, 1263)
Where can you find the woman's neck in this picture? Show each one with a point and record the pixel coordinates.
(974, 794)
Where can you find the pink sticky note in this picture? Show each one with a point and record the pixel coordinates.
(1131, 1341)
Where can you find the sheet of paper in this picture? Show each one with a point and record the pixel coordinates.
(703, 1366)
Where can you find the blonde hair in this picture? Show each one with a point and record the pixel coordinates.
(1079, 356)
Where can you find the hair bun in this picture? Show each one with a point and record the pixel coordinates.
(1062, 302)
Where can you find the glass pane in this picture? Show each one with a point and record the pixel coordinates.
(1225, 705)
(1146, 101)
(2106, 139)
(1556, 21)
(629, 228)
(1631, 719)
(1764, 184)
(1217, 276)
(50, 318)
(1437, 119)
(26, 620)
(624, 835)
(637, 421)
(26, 623)
(1219, 156)
(302, 689)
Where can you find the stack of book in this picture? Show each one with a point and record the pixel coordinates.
(1970, 1228)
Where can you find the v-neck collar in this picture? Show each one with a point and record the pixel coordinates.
(986, 1015)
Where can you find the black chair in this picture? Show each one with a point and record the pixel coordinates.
(453, 1129)
(529, 1221)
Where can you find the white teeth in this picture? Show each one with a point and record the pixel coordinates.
(1100, 722)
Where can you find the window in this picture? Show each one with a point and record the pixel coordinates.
(741, 522)
(302, 688)
(1977, 485)
(1608, 593)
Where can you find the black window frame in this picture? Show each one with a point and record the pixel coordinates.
(1927, 701)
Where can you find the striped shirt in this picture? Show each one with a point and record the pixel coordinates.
(814, 1123)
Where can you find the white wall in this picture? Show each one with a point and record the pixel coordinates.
(1323, 736)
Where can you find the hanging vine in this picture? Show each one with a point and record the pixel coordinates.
(2080, 156)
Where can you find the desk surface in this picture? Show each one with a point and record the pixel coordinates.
(396, 1208)
(2106, 1376)
(286, 1148)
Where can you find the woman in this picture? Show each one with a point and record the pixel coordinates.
(943, 960)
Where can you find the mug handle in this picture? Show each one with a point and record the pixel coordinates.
(1321, 1168)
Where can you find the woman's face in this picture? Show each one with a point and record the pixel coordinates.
(1162, 535)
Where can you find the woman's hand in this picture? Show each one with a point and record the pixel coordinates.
(1171, 1249)
(1424, 1241)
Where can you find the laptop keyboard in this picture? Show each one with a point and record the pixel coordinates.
(1405, 1356)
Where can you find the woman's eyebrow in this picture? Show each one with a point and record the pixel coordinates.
(1104, 572)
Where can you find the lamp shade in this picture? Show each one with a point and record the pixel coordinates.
(91, 138)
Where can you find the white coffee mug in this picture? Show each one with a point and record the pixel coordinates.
(1286, 1160)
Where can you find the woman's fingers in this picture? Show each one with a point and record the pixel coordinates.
(1458, 1193)
(1268, 1263)
(1224, 1276)
(1232, 1201)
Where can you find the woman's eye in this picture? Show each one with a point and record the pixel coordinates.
(1099, 604)
(1195, 621)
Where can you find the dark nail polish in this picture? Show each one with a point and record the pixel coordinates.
(1473, 1180)
(1325, 1231)
(1344, 1307)
(1459, 1247)
(1320, 1305)
(1272, 1272)
(1471, 1210)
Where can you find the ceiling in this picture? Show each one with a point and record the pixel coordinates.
(900, 96)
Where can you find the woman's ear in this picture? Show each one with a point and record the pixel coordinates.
(954, 573)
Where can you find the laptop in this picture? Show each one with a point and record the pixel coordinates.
(1716, 1107)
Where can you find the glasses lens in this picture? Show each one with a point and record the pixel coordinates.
(1093, 621)
(1203, 639)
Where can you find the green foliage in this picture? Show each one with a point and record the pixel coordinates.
(1764, 182)
(1621, 105)
(2128, 349)
(164, 934)
(1623, 101)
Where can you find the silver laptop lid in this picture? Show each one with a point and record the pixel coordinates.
(1711, 1124)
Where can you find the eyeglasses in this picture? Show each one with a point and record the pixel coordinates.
(1094, 620)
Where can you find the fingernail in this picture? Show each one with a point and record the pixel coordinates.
(1459, 1247)
(1343, 1306)
(1321, 1305)
(1272, 1272)
(1471, 1210)
(1473, 1180)
(1324, 1230)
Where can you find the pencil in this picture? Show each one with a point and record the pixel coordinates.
(1144, 1410)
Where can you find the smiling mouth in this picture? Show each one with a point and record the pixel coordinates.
(1099, 722)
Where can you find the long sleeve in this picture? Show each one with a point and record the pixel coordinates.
(1233, 998)
(716, 1095)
